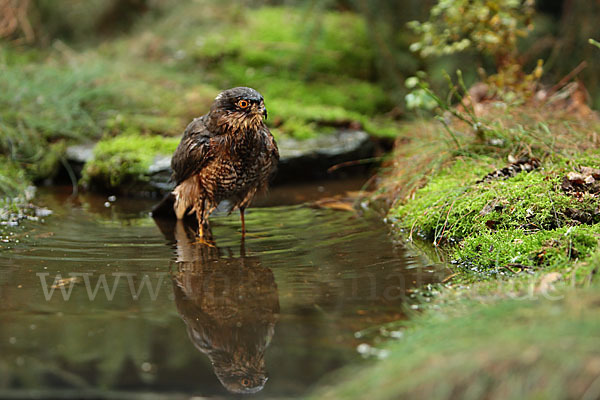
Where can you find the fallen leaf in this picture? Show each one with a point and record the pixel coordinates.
(63, 282)
(594, 172)
(576, 177)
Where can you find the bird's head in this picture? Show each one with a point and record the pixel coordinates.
(238, 109)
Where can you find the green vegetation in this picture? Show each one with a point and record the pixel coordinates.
(511, 201)
(15, 194)
(77, 98)
(492, 27)
(488, 211)
(125, 159)
(543, 346)
(12, 179)
(523, 219)
(312, 74)
(504, 187)
(315, 76)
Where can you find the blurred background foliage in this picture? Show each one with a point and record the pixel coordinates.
(372, 37)
(75, 70)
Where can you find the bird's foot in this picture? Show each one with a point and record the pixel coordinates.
(204, 241)
(204, 236)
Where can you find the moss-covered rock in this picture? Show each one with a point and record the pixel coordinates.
(121, 163)
(141, 165)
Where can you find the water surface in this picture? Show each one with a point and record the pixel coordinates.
(100, 301)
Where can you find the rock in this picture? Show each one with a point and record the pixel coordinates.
(300, 160)
(81, 153)
(76, 157)
(310, 159)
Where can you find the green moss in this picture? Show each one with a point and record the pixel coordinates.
(314, 67)
(43, 107)
(13, 180)
(125, 159)
(42, 103)
(287, 41)
(526, 219)
(14, 194)
(554, 248)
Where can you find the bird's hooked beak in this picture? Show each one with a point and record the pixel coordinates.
(260, 109)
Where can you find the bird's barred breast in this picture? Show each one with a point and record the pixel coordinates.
(226, 179)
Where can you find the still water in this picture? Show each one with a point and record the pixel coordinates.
(100, 301)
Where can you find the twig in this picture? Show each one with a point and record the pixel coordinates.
(445, 223)
(353, 163)
(582, 65)
(412, 228)
(554, 210)
(71, 174)
(510, 269)
(446, 279)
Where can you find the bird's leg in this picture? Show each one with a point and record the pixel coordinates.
(200, 217)
(243, 221)
(204, 233)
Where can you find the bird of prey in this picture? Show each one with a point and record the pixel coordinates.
(228, 155)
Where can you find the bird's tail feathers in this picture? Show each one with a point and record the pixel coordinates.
(164, 209)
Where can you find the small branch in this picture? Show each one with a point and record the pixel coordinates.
(568, 77)
(353, 163)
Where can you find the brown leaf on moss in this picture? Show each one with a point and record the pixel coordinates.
(584, 181)
(491, 224)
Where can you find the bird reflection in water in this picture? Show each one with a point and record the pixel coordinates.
(230, 306)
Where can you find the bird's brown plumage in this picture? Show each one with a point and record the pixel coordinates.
(230, 306)
(227, 154)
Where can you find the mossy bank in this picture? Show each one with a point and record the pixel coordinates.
(511, 204)
(520, 197)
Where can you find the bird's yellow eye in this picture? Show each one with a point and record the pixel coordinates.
(243, 103)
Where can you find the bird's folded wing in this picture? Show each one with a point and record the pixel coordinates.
(271, 145)
(193, 151)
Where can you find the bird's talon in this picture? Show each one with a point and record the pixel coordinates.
(203, 241)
